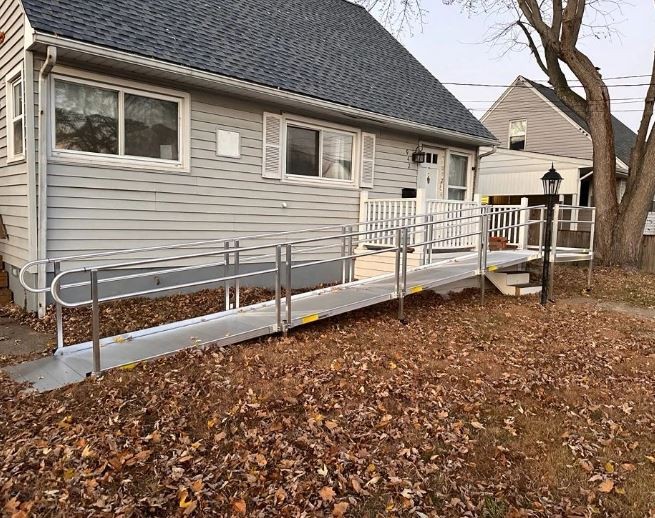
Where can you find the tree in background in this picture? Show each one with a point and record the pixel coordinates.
(552, 30)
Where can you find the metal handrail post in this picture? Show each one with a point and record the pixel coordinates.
(288, 289)
(426, 234)
(278, 287)
(95, 322)
(59, 315)
(351, 251)
(484, 247)
(592, 237)
(226, 272)
(431, 234)
(237, 282)
(343, 255)
(398, 259)
(403, 287)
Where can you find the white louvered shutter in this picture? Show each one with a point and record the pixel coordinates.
(368, 160)
(272, 160)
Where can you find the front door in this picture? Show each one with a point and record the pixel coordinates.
(428, 173)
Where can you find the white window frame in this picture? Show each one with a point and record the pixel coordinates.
(525, 135)
(12, 78)
(320, 126)
(68, 156)
(468, 190)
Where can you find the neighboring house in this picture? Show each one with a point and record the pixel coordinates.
(536, 130)
(129, 124)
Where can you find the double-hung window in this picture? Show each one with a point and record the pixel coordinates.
(103, 121)
(15, 116)
(517, 133)
(319, 152)
(458, 170)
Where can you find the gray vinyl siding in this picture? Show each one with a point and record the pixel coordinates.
(94, 208)
(547, 131)
(13, 176)
(394, 170)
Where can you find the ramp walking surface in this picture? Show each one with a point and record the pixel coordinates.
(74, 363)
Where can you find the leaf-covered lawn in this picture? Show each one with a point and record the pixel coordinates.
(502, 410)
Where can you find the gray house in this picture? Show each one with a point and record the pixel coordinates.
(536, 129)
(151, 122)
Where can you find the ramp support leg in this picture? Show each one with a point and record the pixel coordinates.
(278, 288)
(59, 316)
(95, 322)
(288, 291)
(402, 274)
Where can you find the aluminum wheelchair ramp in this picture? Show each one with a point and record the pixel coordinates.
(75, 363)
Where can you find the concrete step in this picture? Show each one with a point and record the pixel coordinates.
(515, 278)
(513, 284)
(527, 289)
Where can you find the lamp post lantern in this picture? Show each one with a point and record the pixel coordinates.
(551, 182)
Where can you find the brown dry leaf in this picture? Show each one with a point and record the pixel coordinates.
(586, 465)
(239, 506)
(260, 460)
(606, 486)
(327, 494)
(280, 495)
(385, 421)
(340, 509)
(197, 485)
(477, 425)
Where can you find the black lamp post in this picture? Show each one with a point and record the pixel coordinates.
(552, 181)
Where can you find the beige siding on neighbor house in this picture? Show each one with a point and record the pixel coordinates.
(13, 176)
(518, 173)
(547, 132)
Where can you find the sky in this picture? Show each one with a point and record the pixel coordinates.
(451, 45)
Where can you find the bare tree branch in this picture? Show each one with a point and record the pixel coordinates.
(636, 158)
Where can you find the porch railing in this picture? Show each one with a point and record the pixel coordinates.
(384, 214)
(380, 213)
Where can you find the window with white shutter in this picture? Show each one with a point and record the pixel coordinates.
(368, 160)
(272, 163)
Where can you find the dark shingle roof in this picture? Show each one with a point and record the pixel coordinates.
(624, 137)
(327, 49)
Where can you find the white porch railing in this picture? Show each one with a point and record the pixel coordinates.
(445, 210)
(383, 215)
(510, 222)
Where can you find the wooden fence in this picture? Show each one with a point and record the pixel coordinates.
(648, 254)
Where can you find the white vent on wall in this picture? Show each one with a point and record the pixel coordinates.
(228, 143)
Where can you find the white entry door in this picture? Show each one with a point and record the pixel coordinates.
(428, 173)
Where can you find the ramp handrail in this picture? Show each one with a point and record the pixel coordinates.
(340, 244)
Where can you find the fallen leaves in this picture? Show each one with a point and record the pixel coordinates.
(327, 494)
(239, 506)
(606, 486)
(501, 410)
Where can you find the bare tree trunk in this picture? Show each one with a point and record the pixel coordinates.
(605, 195)
(629, 230)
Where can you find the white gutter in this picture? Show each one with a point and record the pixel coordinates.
(42, 219)
(246, 88)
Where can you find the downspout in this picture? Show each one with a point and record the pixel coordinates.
(42, 213)
(478, 159)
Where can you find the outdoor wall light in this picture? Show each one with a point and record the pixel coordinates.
(418, 156)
